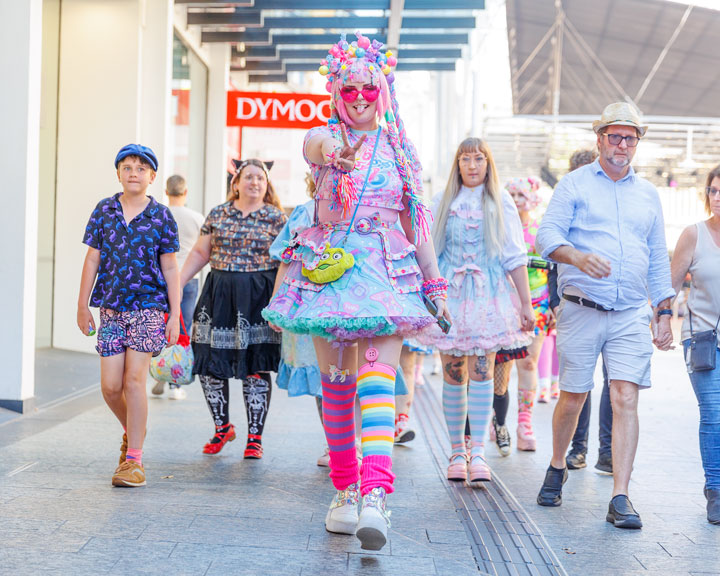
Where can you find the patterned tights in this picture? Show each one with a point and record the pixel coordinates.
(257, 391)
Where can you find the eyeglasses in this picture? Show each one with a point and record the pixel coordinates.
(712, 191)
(615, 140)
(350, 93)
(469, 159)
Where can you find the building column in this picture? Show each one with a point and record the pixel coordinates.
(114, 89)
(20, 67)
(216, 148)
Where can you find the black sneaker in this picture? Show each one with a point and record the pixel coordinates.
(604, 464)
(622, 514)
(575, 460)
(502, 438)
(551, 491)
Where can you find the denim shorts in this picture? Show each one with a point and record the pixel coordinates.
(139, 330)
(622, 337)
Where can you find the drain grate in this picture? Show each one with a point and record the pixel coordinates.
(503, 538)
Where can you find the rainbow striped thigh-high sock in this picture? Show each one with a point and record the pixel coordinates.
(376, 390)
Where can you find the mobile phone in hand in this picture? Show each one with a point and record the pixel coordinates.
(443, 322)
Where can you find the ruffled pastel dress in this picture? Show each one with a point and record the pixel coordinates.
(482, 299)
(381, 293)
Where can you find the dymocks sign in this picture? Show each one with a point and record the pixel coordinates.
(269, 110)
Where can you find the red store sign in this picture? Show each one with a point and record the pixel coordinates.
(271, 110)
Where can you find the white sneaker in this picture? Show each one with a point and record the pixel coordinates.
(158, 389)
(342, 517)
(177, 393)
(374, 520)
(324, 460)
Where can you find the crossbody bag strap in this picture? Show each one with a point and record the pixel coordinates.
(367, 177)
(690, 316)
(691, 328)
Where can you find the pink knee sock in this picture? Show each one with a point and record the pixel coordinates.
(344, 468)
(376, 471)
(544, 363)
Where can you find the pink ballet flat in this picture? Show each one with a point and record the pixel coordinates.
(478, 470)
(458, 467)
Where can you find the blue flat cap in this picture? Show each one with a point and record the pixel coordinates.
(140, 151)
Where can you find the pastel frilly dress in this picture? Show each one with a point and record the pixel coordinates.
(378, 296)
(482, 299)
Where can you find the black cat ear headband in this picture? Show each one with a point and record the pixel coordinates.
(266, 166)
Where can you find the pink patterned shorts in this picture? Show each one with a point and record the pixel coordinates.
(139, 330)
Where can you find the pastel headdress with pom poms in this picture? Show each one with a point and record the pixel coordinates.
(365, 60)
(526, 188)
(347, 60)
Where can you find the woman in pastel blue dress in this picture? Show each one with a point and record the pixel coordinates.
(481, 251)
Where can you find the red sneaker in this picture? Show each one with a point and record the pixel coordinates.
(223, 436)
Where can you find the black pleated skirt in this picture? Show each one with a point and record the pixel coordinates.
(230, 338)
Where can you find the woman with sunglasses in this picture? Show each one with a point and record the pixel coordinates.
(478, 237)
(230, 339)
(354, 279)
(698, 252)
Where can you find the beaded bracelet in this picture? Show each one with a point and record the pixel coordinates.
(435, 288)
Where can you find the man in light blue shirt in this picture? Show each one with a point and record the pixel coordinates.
(604, 227)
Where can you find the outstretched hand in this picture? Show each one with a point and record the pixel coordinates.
(343, 157)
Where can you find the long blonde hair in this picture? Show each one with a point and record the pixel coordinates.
(494, 222)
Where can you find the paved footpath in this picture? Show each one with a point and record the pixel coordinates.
(223, 515)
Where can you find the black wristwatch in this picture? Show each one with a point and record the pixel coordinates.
(664, 312)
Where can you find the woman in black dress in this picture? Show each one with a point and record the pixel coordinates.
(230, 338)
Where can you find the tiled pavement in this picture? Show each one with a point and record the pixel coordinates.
(223, 515)
(666, 489)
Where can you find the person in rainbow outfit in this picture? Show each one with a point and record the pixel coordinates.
(524, 194)
(368, 178)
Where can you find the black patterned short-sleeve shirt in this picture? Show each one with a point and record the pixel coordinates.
(130, 276)
(242, 244)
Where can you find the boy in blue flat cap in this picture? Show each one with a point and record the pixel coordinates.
(132, 241)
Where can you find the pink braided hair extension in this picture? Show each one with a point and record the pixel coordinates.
(407, 164)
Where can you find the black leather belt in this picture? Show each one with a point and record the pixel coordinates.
(585, 302)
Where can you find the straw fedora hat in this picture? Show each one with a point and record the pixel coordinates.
(620, 114)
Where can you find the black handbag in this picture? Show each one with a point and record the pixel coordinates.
(702, 348)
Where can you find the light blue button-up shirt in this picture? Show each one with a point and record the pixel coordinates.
(621, 221)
